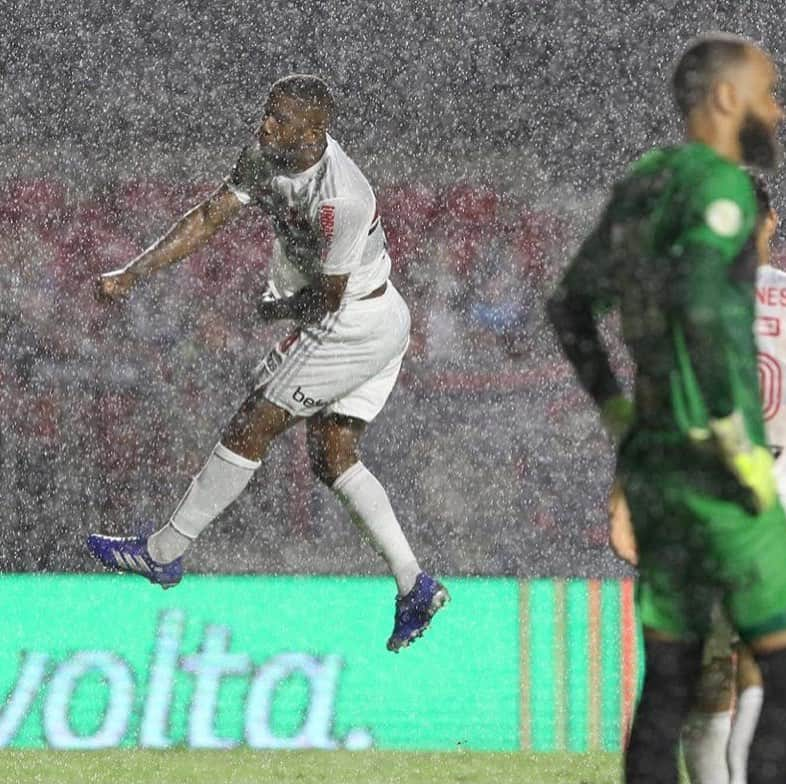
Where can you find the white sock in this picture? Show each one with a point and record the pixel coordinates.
(222, 479)
(742, 728)
(369, 506)
(704, 740)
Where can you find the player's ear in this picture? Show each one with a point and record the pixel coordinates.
(724, 96)
(771, 223)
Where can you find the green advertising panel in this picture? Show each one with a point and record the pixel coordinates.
(101, 661)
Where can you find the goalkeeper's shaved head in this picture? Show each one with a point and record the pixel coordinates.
(725, 89)
(703, 62)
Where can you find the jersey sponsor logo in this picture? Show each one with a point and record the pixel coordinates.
(327, 221)
(768, 326)
(770, 385)
(299, 396)
(724, 217)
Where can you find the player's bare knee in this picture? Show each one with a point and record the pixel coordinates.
(333, 446)
(329, 467)
(747, 670)
(715, 688)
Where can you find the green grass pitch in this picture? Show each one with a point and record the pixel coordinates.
(305, 767)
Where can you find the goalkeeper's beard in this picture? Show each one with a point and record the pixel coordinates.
(758, 143)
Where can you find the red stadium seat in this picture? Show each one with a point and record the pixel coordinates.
(534, 236)
(467, 203)
(89, 245)
(408, 213)
(41, 202)
(147, 196)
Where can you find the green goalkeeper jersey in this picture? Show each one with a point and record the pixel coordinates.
(674, 251)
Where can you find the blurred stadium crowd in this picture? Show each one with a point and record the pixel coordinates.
(491, 454)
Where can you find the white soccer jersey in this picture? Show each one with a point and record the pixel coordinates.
(325, 220)
(771, 341)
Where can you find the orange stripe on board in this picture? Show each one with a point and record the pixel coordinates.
(628, 655)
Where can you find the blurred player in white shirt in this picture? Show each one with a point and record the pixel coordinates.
(335, 370)
(718, 734)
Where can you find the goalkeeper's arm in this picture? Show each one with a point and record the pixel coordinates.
(587, 288)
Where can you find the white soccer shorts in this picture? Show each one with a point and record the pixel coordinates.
(347, 364)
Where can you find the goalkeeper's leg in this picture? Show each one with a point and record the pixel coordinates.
(767, 757)
(672, 670)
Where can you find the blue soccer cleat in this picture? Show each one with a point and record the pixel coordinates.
(129, 554)
(415, 611)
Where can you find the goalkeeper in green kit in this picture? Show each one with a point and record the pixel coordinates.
(674, 252)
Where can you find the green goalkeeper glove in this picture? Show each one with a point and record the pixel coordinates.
(752, 465)
(616, 414)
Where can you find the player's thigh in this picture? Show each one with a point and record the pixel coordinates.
(254, 425)
(748, 555)
(748, 672)
(674, 592)
(715, 689)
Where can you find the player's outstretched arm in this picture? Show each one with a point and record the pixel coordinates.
(192, 231)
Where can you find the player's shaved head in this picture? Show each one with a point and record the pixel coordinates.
(703, 62)
(309, 90)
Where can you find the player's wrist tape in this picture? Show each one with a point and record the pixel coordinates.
(731, 434)
(617, 414)
(307, 305)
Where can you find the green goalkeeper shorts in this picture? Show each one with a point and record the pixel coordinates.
(699, 543)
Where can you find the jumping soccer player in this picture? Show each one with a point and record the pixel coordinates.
(329, 274)
(674, 252)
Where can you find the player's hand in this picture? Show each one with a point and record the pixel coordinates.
(114, 286)
(752, 465)
(269, 310)
(621, 536)
(755, 470)
(617, 415)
